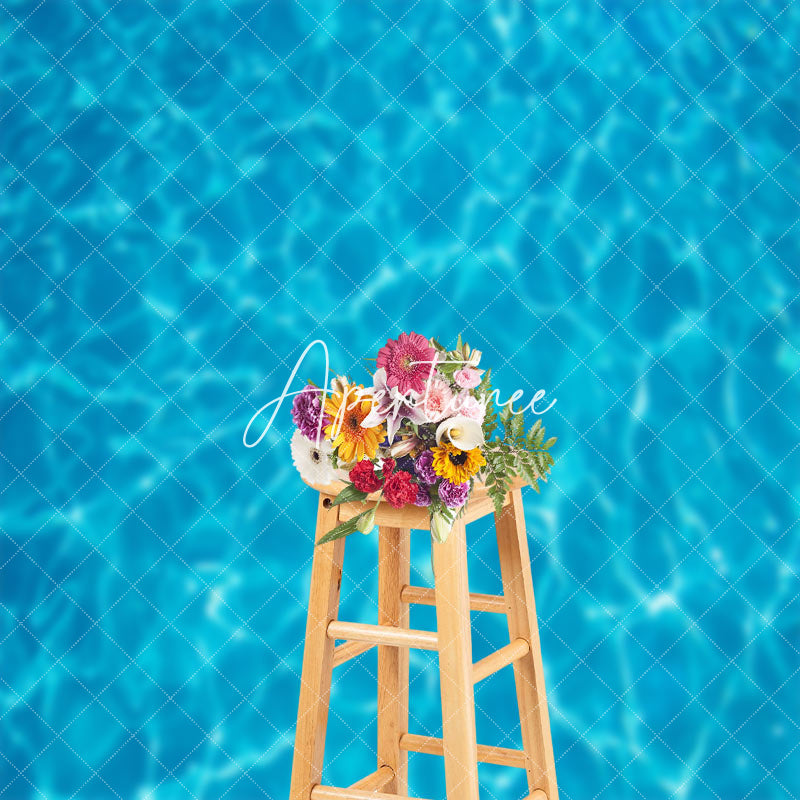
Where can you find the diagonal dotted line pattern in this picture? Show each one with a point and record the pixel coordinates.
(506, 361)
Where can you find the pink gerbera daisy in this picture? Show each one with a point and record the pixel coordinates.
(404, 360)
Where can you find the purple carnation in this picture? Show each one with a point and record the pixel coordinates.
(454, 495)
(423, 498)
(424, 467)
(307, 410)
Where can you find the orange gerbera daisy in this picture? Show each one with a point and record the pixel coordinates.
(347, 409)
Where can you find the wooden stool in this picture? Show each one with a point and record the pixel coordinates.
(393, 637)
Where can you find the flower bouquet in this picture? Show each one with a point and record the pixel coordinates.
(422, 434)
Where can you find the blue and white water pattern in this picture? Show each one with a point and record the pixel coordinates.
(600, 195)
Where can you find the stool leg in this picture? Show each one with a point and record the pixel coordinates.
(394, 572)
(455, 665)
(515, 567)
(315, 686)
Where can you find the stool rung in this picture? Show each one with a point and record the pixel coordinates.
(375, 781)
(383, 634)
(347, 650)
(487, 754)
(499, 659)
(335, 793)
(423, 596)
(539, 794)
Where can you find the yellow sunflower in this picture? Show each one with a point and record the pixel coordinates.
(346, 410)
(457, 466)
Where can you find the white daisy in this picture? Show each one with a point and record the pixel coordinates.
(312, 462)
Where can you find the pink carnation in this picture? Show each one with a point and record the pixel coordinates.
(404, 360)
(468, 406)
(467, 378)
(437, 401)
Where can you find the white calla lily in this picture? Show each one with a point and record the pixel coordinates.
(462, 432)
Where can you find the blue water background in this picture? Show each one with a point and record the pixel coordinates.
(600, 196)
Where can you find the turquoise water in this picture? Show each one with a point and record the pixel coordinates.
(601, 196)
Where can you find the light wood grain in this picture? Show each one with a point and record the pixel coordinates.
(342, 653)
(386, 516)
(315, 681)
(394, 569)
(499, 659)
(515, 568)
(481, 505)
(393, 637)
(382, 634)
(455, 665)
(375, 781)
(425, 596)
(537, 795)
(335, 793)
(487, 754)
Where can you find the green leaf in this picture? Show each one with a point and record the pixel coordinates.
(528, 468)
(534, 429)
(498, 496)
(343, 529)
(449, 368)
(483, 392)
(349, 494)
(505, 421)
(489, 422)
(517, 427)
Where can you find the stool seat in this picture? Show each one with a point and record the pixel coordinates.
(479, 505)
(393, 637)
